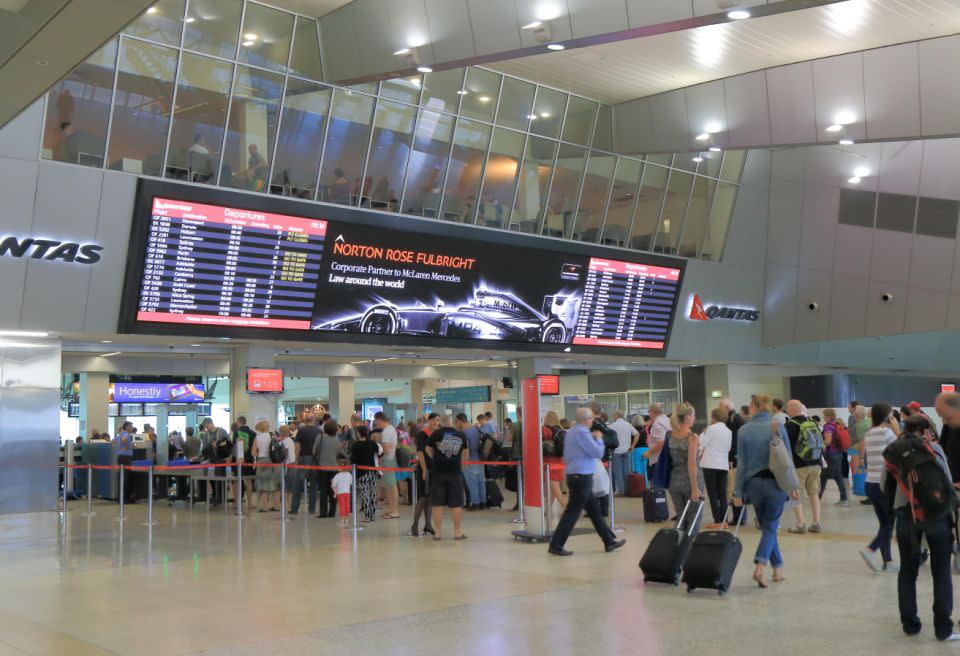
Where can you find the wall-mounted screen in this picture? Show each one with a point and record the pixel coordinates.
(549, 384)
(73, 410)
(131, 409)
(211, 262)
(265, 381)
(113, 409)
(158, 392)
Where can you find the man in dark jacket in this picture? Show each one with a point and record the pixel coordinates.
(734, 422)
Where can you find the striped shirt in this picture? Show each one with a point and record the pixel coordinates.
(875, 441)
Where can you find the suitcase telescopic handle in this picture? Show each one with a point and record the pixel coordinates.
(696, 517)
(730, 507)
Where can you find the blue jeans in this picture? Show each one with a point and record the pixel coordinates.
(940, 542)
(476, 484)
(767, 500)
(620, 467)
(885, 532)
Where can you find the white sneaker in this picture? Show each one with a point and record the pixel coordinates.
(891, 568)
(870, 558)
(842, 504)
(954, 637)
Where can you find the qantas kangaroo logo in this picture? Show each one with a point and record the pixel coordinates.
(700, 313)
(697, 312)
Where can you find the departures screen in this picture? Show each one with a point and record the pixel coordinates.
(227, 269)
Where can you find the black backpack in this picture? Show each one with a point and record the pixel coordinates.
(916, 468)
(559, 435)
(278, 452)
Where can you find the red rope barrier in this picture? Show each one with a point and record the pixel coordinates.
(168, 468)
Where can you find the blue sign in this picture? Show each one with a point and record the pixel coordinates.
(158, 393)
(475, 394)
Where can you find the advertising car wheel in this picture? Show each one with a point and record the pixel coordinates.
(379, 320)
(553, 333)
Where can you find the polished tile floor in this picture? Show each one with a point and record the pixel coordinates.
(209, 583)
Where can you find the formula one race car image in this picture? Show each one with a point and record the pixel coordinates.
(489, 315)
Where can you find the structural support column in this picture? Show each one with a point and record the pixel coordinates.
(251, 406)
(343, 399)
(530, 421)
(94, 397)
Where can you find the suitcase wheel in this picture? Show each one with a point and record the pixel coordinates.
(646, 580)
(721, 592)
(690, 589)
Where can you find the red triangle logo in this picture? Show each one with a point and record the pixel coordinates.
(697, 312)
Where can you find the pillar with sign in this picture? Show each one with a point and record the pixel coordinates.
(533, 477)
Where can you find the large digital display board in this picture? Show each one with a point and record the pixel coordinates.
(133, 392)
(218, 263)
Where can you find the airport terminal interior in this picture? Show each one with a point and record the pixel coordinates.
(466, 286)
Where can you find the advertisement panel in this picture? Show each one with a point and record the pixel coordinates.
(158, 392)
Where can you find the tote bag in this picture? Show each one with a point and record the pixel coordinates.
(781, 462)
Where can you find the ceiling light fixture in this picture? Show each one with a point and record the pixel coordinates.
(854, 180)
(24, 333)
(248, 43)
(846, 142)
(424, 69)
(703, 136)
(462, 92)
(836, 127)
(532, 117)
(532, 26)
(698, 159)
(106, 341)
(555, 46)
(189, 19)
(108, 355)
(250, 36)
(861, 171)
(566, 350)
(544, 114)
(738, 14)
(402, 51)
(484, 99)
(152, 10)
(715, 149)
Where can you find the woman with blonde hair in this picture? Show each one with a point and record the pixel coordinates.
(553, 434)
(268, 478)
(686, 477)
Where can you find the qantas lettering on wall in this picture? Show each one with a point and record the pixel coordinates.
(700, 313)
(50, 249)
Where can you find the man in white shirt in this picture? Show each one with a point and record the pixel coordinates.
(659, 427)
(620, 461)
(779, 415)
(388, 440)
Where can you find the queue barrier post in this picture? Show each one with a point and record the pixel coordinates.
(413, 488)
(613, 512)
(150, 520)
(238, 493)
(66, 472)
(121, 495)
(353, 497)
(283, 493)
(89, 512)
(520, 518)
(548, 502)
(304, 499)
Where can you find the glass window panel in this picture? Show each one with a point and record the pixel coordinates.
(305, 58)
(578, 125)
(663, 159)
(141, 111)
(564, 190)
(637, 403)
(689, 161)
(647, 216)
(623, 199)
(365, 87)
(674, 211)
(896, 212)
(695, 225)
(603, 134)
(711, 164)
(389, 151)
(516, 103)
(404, 89)
(665, 380)
(300, 140)
(161, 22)
(265, 38)
(470, 141)
(480, 100)
(857, 207)
(549, 109)
(534, 182)
(937, 217)
(500, 178)
(78, 110)
(254, 115)
(593, 198)
(441, 90)
(720, 215)
(201, 113)
(428, 164)
(732, 167)
(348, 137)
(212, 27)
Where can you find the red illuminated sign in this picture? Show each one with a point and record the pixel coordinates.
(948, 387)
(265, 380)
(549, 385)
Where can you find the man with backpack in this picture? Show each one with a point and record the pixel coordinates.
(807, 447)
(924, 506)
(473, 474)
(836, 440)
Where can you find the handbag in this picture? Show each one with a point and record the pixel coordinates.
(663, 466)
(601, 481)
(781, 462)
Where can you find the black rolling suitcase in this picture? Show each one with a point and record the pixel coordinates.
(663, 560)
(713, 559)
(655, 506)
(494, 495)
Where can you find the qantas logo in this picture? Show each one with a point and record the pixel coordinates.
(700, 313)
(50, 249)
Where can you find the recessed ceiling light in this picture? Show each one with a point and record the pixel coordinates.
(152, 10)
(836, 127)
(415, 81)
(196, 345)
(250, 36)
(106, 341)
(555, 46)
(715, 149)
(846, 142)
(544, 114)
(532, 26)
(484, 99)
(703, 136)
(107, 355)
(861, 171)
(424, 69)
(23, 333)
(462, 92)
(402, 51)
(854, 180)
(248, 43)
(698, 159)
(189, 19)
(738, 14)
(532, 117)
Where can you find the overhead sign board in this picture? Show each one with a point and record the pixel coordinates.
(473, 394)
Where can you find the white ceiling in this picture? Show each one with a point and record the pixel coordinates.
(624, 70)
(315, 8)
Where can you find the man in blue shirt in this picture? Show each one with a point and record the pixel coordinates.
(123, 444)
(473, 474)
(581, 452)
